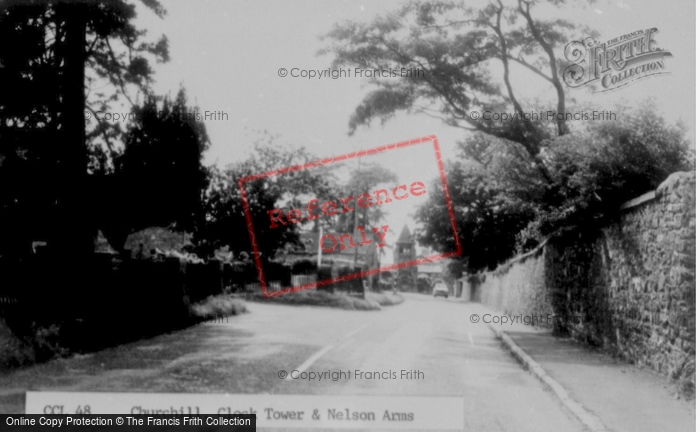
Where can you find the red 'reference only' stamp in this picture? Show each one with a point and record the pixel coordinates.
(365, 235)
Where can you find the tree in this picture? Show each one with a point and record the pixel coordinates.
(452, 271)
(455, 47)
(519, 180)
(607, 163)
(226, 223)
(64, 54)
(364, 179)
(159, 178)
(501, 208)
(488, 220)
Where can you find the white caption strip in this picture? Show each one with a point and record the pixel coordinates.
(300, 411)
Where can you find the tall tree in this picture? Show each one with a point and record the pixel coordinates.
(501, 208)
(456, 48)
(461, 61)
(363, 180)
(159, 179)
(62, 52)
(488, 220)
(226, 223)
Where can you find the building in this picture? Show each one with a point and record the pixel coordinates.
(420, 277)
(367, 256)
(405, 251)
(430, 270)
(339, 260)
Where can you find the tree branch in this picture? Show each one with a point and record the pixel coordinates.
(122, 85)
(504, 58)
(103, 132)
(531, 67)
(562, 127)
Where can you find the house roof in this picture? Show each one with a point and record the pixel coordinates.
(311, 242)
(405, 236)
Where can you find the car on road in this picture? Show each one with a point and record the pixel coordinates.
(440, 289)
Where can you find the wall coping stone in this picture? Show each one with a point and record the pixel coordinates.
(670, 183)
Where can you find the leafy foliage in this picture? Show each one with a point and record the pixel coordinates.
(286, 189)
(159, 180)
(456, 47)
(116, 58)
(226, 222)
(162, 162)
(516, 181)
(487, 220)
(607, 163)
(71, 66)
(502, 206)
(364, 179)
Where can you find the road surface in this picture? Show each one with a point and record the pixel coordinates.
(431, 337)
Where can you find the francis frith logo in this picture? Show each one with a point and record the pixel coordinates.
(615, 63)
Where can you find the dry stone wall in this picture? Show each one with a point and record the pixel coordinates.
(629, 287)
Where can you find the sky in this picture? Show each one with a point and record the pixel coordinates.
(227, 55)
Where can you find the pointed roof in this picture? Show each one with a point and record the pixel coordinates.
(405, 236)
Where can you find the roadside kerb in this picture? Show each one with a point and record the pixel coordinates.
(590, 421)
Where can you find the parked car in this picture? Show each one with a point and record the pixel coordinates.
(440, 289)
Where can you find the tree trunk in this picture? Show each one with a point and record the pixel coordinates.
(73, 227)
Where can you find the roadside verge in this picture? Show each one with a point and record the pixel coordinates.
(372, 301)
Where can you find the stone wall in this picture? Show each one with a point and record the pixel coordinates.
(518, 287)
(629, 287)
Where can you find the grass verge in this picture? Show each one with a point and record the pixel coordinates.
(39, 344)
(371, 302)
(214, 307)
(385, 298)
(42, 343)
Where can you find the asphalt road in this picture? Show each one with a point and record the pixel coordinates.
(433, 337)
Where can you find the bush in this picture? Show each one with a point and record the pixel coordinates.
(349, 286)
(276, 271)
(508, 200)
(13, 351)
(216, 307)
(36, 343)
(598, 168)
(306, 267)
(325, 272)
(319, 298)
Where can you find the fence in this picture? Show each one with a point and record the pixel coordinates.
(303, 279)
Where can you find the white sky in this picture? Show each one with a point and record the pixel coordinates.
(227, 54)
